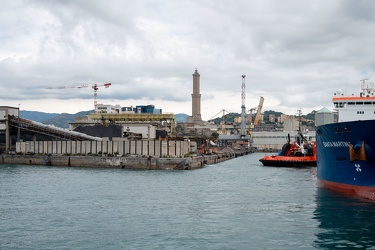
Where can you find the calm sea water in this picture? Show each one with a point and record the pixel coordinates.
(237, 204)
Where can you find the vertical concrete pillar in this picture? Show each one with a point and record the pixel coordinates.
(58, 148)
(54, 147)
(116, 147)
(110, 147)
(63, 147)
(70, 147)
(49, 147)
(139, 150)
(45, 147)
(157, 149)
(38, 147)
(23, 147)
(32, 147)
(121, 148)
(132, 147)
(88, 147)
(41, 147)
(73, 146)
(93, 147)
(164, 148)
(18, 147)
(99, 147)
(178, 148)
(145, 147)
(104, 147)
(151, 148)
(84, 147)
(78, 147)
(127, 147)
(172, 148)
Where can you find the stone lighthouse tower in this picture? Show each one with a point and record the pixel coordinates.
(196, 98)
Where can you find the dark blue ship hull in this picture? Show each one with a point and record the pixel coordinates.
(346, 157)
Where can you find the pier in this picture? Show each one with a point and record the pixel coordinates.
(64, 147)
(135, 162)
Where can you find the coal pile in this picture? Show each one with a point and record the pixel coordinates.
(101, 130)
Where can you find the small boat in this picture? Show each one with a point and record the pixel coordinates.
(301, 153)
(346, 149)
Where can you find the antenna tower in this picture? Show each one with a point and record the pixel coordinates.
(243, 110)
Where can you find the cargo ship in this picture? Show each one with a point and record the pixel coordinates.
(345, 150)
(300, 153)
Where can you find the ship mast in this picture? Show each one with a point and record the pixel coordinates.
(367, 87)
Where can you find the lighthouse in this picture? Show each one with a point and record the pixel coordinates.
(196, 98)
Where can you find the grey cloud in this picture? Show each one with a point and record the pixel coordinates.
(149, 49)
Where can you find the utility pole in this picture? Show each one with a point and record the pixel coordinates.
(243, 110)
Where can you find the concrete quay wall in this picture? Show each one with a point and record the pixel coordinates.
(130, 162)
(119, 148)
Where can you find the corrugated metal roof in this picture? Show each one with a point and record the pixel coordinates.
(324, 110)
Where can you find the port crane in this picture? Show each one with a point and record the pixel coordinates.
(94, 86)
(251, 114)
(259, 111)
(222, 123)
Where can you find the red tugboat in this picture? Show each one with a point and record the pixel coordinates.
(301, 153)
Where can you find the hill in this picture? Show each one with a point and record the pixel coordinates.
(270, 112)
(63, 120)
(181, 117)
(36, 115)
(228, 118)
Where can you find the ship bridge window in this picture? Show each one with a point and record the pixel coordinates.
(351, 103)
(359, 103)
(339, 104)
(368, 103)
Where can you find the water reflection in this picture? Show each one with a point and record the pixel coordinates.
(344, 221)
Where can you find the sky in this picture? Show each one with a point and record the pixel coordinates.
(294, 53)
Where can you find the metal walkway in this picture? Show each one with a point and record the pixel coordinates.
(40, 128)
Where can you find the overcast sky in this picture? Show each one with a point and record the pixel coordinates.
(295, 54)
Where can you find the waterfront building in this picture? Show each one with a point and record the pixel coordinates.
(291, 123)
(272, 117)
(282, 118)
(108, 109)
(275, 140)
(324, 116)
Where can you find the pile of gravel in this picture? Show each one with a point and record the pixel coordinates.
(101, 130)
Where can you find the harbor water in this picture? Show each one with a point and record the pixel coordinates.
(236, 204)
